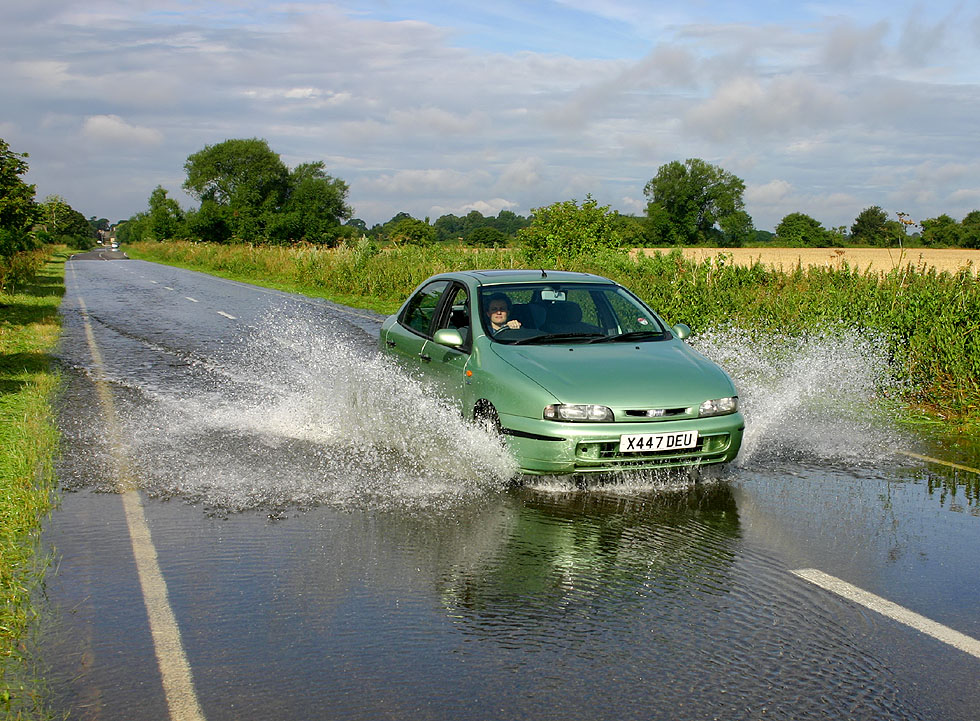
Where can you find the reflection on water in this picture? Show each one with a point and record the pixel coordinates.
(527, 604)
(577, 551)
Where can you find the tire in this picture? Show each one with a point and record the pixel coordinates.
(485, 415)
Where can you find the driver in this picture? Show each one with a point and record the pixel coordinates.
(498, 312)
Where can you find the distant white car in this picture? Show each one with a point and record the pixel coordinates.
(114, 246)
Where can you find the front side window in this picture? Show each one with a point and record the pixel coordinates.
(421, 308)
(456, 313)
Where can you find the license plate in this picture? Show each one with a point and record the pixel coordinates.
(643, 442)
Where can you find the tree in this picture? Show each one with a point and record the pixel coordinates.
(98, 223)
(487, 236)
(970, 226)
(235, 172)
(318, 202)
(509, 222)
(736, 228)
(412, 232)
(631, 230)
(212, 223)
(246, 191)
(448, 227)
(134, 229)
(166, 217)
(242, 175)
(18, 210)
(869, 227)
(65, 224)
(800, 230)
(941, 232)
(686, 200)
(564, 230)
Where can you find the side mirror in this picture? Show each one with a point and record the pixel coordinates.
(681, 331)
(449, 337)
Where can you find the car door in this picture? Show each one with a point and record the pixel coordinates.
(446, 365)
(407, 337)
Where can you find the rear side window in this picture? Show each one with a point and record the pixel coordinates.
(422, 307)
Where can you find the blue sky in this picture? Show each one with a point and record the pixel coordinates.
(823, 108)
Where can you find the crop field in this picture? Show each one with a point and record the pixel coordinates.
(875, 260)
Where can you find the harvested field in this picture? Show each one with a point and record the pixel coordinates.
(879, 260)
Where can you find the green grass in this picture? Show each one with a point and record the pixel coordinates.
(29, 329)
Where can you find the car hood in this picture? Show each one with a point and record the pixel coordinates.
(662, 374)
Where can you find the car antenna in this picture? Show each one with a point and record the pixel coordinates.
(543, 274)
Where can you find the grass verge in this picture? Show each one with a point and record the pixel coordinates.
(29, 329)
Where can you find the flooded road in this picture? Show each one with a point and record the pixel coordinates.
(334, 544)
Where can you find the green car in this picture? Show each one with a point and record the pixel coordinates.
(574, 371)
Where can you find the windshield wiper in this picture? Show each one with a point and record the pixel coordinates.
(547, 338)
(632, 335)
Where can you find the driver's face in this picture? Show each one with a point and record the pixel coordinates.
(497, 312)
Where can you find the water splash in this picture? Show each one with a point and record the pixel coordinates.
(302, 411)
(826, 397)
(301, 416)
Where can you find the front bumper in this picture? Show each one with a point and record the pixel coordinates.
(547, 447)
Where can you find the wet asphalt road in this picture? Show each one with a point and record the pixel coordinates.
(319, 567)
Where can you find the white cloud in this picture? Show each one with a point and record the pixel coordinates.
(772, 192)
(111, 129)
(522, 173)
(848, 48)
(751, 106)
(415, 121)
(412, 183)
(49, 73)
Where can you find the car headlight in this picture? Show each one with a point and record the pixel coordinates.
(719, 407)
(578, 412)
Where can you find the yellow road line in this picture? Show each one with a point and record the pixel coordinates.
(175, 671)
(930, 459)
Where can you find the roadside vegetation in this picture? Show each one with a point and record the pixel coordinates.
(34, 242)
(29, 328)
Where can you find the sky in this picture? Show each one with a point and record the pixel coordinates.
(823, 108)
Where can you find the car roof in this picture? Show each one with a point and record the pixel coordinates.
(509, 276)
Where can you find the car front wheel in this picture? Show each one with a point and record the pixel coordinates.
(487, 418)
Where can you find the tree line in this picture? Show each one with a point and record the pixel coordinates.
(247, 194)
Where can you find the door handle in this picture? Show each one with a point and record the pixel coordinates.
(426, 358)
(390, 343)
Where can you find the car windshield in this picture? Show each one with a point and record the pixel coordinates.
(542, 313)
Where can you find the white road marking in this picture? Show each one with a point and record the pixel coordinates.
(168, 287)
(175, 670)
(891, 610)
(192, 300)
(930, 459)
(302, 299)
(226, 315)
(153, 281)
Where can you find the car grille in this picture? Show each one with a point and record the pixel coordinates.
(604, 456)
(656, 414)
